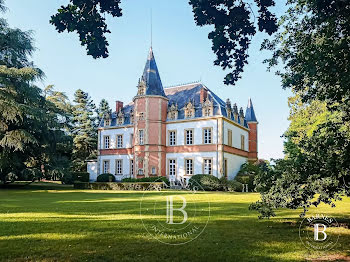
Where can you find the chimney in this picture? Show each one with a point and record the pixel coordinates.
(203, 95)
(118, 105)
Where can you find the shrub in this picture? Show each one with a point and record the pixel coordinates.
(81, 176)
(106, 178)
(67, 179)
(205, 182)
(147, 179)
(234, 186)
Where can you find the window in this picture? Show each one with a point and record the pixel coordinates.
(207, 135)
(153, 170)
(242, 142)
(207, 166)
(141, 116)
(229, 137)
(141, 142)
(225, 168)
(120, 120)
(106, 166)
(119, 141)
(172, 138)
(132, 140)
(140, 172)
(119, 167)
(207, 112)
(172, 167)
(189, 166)
(107, 122)
(189, 137)
(132, 167)
(106, 142)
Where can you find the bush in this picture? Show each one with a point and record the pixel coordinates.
(81, 176)
(106, 178)
(205, 182)
(138, 186)
(147, 179)
(67, 179)
(234, 186)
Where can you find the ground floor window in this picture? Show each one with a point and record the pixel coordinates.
(132, 167)
(119, 167)
(189, 166)
(172, 167)
(207, 166)
(106, 166)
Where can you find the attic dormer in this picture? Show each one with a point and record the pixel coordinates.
(189, 110)
(173, 112)
(208, 107)
(120, 117)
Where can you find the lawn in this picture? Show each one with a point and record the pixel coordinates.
(82, 225)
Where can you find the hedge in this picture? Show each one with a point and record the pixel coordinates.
(205, 182)
(106, 178)
(141, 186)
(147, 179)
(70, 178)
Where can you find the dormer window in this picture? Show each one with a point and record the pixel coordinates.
(141, 116)
(120, 118)
(107, 122)
(141, 88)
(207, 107)
(189, 110)
(172, 112)
(131, 117)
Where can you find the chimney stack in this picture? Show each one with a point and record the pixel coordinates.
(203, 95)
(118, 105)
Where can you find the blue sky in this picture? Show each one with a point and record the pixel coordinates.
(182, 51)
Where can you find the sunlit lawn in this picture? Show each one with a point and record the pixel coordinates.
(74, 225)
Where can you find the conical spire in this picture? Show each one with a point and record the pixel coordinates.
(151, 77)
(249, 113)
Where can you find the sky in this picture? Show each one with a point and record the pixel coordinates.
(182, 51)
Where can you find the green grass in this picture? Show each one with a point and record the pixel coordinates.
(83, 225)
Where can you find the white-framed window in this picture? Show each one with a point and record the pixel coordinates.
(207, 166)
(189, 166)
(119, 167)
(119, 141)
(132, 167)
(207, 111)
(172, 138)
(153, 170)
(207, 133)
(172, 167)
(189, 137)
(107, 122)
(106, 166)
(106, 142)
(140, 172)
(141, 137)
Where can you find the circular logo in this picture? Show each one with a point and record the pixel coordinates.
(318, 232)
(175, 217)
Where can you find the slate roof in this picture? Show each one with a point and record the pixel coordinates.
(179, 95)
(249, 113)
(151, 76)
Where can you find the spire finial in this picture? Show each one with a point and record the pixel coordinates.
(151, 28)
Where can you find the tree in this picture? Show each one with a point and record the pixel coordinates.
(102, 110)
(234, 26)
(84, 130)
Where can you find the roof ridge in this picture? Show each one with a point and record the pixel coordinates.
(184, 84)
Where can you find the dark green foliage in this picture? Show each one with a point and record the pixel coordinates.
(147, 179)
(103, 110)
(142, 186)
(67, 179)
(249, 171)
(314, 48)
(106, 178)
(87, 18)
(234, 27)
(84, 130)
(81, 176)
(234, 186)
(205, 182)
